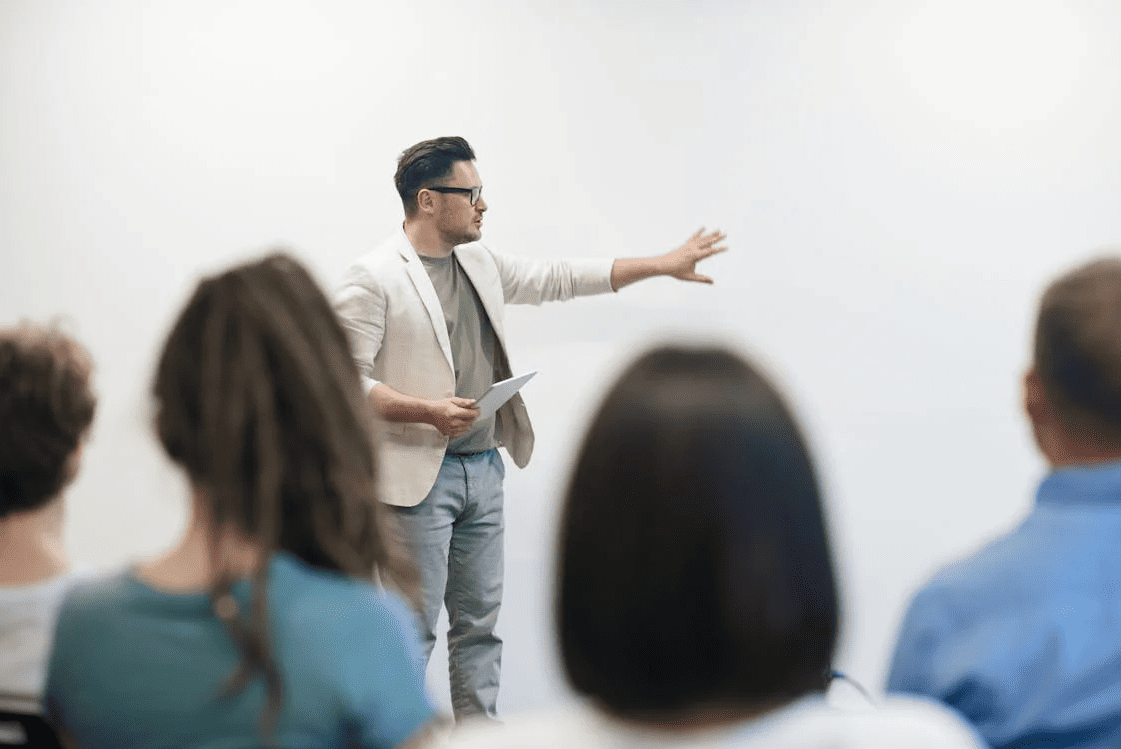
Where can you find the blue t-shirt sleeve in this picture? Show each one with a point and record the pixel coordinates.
(385, 676)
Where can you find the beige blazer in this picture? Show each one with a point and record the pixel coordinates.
(398, 336)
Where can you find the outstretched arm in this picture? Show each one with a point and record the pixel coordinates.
(680, 263)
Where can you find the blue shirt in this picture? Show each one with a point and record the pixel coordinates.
(1024, 637)
(133, 666)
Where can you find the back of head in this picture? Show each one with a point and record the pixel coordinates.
(1078, 351)
(694, 562)
(46, 407)
(259, 401)
(428, 161)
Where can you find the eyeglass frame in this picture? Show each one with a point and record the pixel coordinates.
(474, 192)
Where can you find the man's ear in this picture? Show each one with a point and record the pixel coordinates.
(1036, 405)
(425, 201)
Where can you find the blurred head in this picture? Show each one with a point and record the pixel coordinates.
(1075, 380)
(442, 191)
(46, 408)
(694, 564)
(259, 401)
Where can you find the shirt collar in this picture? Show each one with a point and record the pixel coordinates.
(1099, 483)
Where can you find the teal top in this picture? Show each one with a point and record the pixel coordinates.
(134, 666)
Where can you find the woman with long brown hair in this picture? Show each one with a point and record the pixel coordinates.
(262, 625)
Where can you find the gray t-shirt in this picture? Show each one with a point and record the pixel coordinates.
(473, 345)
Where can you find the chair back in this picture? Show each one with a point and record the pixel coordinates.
(21, 725)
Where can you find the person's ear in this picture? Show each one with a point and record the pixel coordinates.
(1036, 405)
(426, 200)
(74, 461)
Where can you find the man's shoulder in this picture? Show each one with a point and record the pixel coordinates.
(998, 581)
(476, 250)
(388, 249)
(978, 572)
(386, 257)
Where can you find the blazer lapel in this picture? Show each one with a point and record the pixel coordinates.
(482, 278)
(427, 293)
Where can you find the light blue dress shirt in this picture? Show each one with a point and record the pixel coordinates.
(1024, 637)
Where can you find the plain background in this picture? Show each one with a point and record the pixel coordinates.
(897, 181)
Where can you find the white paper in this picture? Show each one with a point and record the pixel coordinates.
(499, 393)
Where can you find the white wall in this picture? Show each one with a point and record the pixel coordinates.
(897, 181)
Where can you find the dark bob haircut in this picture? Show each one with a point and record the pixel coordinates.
(694, 567)
(422, 165)
(46, 407)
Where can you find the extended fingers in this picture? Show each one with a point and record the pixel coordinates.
(712, 238)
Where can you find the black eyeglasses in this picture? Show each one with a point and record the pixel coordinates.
(474, 192)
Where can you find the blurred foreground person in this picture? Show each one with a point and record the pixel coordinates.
(1024, 637)
(696, 602)
(46, 408)
(261, 627)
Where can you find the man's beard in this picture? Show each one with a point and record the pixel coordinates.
(474, 234)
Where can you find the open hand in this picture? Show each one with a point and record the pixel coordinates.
(682, 262)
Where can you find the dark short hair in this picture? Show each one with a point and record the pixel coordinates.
(422, 165)
(46, 407)
(694, 564)
(1078, 350)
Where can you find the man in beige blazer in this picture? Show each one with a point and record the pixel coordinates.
(425, 315)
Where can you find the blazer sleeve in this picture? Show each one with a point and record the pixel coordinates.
(361, 306)
(536, 280)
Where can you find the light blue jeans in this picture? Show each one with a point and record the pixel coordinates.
(455, 538)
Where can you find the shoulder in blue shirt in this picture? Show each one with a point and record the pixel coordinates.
(1024, 637)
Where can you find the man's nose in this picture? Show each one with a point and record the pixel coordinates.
(480, 205)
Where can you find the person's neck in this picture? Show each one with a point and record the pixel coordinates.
(31, 548)
(191, 565)
(426, 240)
(1062, 451)
(1083, 460)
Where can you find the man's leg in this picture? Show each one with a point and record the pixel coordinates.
(427, 529)
(474, 590)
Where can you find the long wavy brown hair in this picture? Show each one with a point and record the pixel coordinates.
(260, 402)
